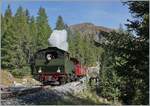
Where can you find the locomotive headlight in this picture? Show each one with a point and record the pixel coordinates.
(39, 71)
(58, 70)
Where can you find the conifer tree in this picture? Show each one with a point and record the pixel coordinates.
(27, 15)
(22, 32)
(33, 35)
(138, 60)
(8, 43)
(60, 23)
(126, 58)
(22, 36)
(43, 29)
(71, 43)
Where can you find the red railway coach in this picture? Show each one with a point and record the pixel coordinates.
(80, 70)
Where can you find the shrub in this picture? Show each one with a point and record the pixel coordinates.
(19, 73)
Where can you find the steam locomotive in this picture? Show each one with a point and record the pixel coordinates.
(55, 65)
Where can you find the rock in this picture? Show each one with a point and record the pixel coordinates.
(17, 84)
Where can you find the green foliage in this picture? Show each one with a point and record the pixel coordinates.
(125, 68)
(60, 23)
(43, 29)
(7, 40)
(22, 36)
(138, 60)
(109, 80)
(83, 49)
(19, 73)
(33, 34)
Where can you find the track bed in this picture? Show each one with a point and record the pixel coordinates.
(42, 94)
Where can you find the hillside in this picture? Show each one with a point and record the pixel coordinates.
(7, 79)
(90, 27)
(89, 30)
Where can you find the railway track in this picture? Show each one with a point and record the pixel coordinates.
(71, 87)
(14, 92)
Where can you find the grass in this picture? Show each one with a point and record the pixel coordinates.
(91, 98)
(7, 79)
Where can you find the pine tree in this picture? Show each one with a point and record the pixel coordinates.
(2, 25)
(138, 60)
(27, 15)
(83, 49)
(43, 29)
(22, 32)
(60, 23)
(111, 79)
(8, 40)
(20, 38)
(71, 43)
(127, 57)
(33, 35)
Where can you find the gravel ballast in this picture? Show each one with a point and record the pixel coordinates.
(48, 95)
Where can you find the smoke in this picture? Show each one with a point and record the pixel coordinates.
(58, 39)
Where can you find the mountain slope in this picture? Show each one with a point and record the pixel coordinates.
(89, 30)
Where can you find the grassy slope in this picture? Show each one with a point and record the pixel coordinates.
(6, 78)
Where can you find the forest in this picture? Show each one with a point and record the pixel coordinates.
(123, 55)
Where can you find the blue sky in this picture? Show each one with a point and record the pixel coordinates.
(108, 13)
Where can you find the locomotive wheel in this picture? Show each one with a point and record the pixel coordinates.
(62, 81)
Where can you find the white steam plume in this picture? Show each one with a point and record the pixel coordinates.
(58, 39)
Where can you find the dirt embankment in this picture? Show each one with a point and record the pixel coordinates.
(8, 80)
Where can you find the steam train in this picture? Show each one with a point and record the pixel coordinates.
(55, 65)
